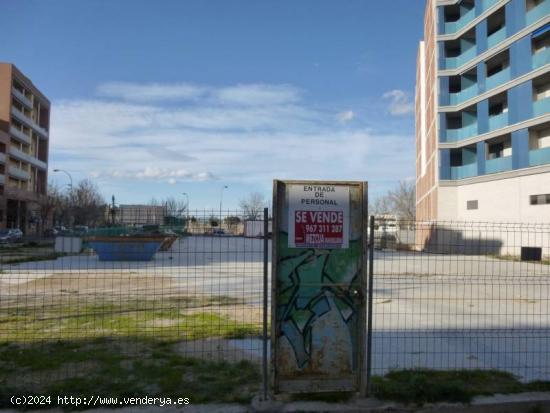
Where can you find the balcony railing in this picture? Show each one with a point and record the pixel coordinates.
(453, 27)
(2, 157)
(496, 37)
(538, 12)
(487, 4)
(28, 121)
(464, 171)
(27, 158)
(501, 164)
(454, 135)
(498, 121)
(539, 157)
(17, 134)
(498, 79)
(2, 179)
(463, 95)
(541, 58)
(21, 98)
(464, 57)
(541, 107)
(18, 173)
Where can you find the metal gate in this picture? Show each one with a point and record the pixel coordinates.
(319, 276)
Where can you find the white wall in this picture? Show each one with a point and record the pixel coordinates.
(505, 200)
(447, 204)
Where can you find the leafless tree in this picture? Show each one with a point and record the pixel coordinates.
(87, 204)
(400, 201)
(403, 200)
(381, 206)
(52, 207)
(253, 206)
(174, 208)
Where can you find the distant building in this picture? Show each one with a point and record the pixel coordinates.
(24, 142)
(483, 111)
(140, 214)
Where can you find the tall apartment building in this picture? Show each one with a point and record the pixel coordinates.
(483, 111)
(24, 133)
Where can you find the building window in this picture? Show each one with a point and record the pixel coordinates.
(543, 199)
(471, 204)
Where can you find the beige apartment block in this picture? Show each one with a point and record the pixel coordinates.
(24, 142)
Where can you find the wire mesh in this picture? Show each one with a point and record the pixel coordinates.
(461, 295)
(446, 296)
(148, 309)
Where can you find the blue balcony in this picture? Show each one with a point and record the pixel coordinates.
(454, 135)
(498, 121)
(537, 13)
(541, 58)
(496, 37)
(463, 95)
(541, 107)
(539, 157)
(464, 171)
(492, 166)
(486, 4)
(498, 79)
(466, 56)
(453, 27)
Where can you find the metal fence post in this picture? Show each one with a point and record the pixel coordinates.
(369, 304)
(266, 259)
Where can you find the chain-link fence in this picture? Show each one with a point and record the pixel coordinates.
(152, 309)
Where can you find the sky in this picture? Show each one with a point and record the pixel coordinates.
(151, 99)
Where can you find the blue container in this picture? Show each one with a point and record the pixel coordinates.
(125, 248)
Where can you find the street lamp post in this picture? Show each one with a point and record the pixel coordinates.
(68, 174)
(221, 202)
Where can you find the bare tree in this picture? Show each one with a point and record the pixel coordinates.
(87, 204)
(403, 200)
(253, 206)
(381, 206)
(400, 201)
(51, 209)
(174, 208)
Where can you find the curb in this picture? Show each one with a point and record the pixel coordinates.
(536, 402)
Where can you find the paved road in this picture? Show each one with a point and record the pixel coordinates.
(438, 311)
(461, 312)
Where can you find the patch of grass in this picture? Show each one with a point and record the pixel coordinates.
(119, 368)
(32, 258)
(166, 320)
(421, 386)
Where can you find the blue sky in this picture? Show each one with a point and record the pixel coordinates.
(152, 99)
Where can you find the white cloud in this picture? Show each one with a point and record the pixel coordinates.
(218, 136)
(345, 116)
(156, 173)
(242, 94)
(400, 102)
(151, 92)
(258, 94)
